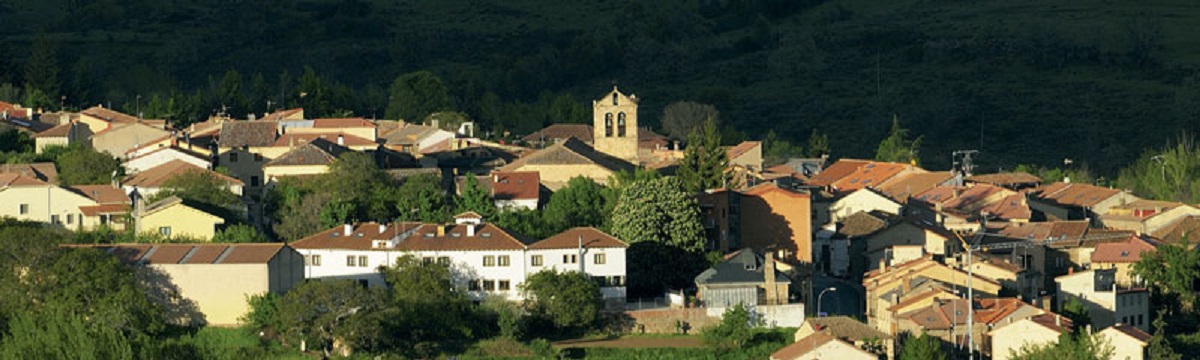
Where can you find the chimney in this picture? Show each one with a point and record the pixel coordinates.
(769, 276)
(1070, 271)
(341, 140)
(470, 229)
(347, 229)
(1057, 320)
(907, 284)
(382, 228)
(441, 230)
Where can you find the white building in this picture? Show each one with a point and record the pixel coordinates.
(144, 159)
(486, 259)
(1108, 302)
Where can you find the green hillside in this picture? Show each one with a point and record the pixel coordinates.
(1025, 81)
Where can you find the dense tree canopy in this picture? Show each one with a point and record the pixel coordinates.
(897, 146)
(1070, 346)
(416, 95)
(570, 299)
(658, 210)
(922, 347)
(201, 187)
(80, 165)
(681, 118)
(581, 203)
(1168, 174)
(1171, 271)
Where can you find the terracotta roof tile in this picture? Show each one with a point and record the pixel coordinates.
(900, 188)
(487, 237)
(104, 209)
(11, 179)
(155, 177)
(370, 232)
(1052, 321)
(235, 134)
(1005, 179)
(109, 115)
(102, 194)
(42, 171)
(1133, 332)
(1073, 194)
(316, 152)
(341, 123)
(286, 114)
(570, 152)
(570, 239)
(1177, 230)
(1012, 207)
(1129, 251)
(845, 328)
(560, 132)
(294, 139)
(798, 349)
(742, 148)
(57, 131)
(870, 174)
(517, 185)
(837, 171)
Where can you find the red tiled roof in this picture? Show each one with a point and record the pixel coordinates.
(741, 149)
(760, 189)
(1123, 252)
(570, 239)
(1010, 207)
(293, 139)
(799, 348)
(1001, 179)
(104, 209)
(1177, 230)
(870, 174)
(487, 237)
(1052, 321)
(41, 171)
(167, 254)
(1073, 194)
(14, 179)
(109, 115)
(837, 171)
(156, 176)
(282, 114)
(57, 131)
(900, 188)
(1133, 332)
(363, 236)
(102, 194)
(516, 185)
(340, 123)
(561, 132)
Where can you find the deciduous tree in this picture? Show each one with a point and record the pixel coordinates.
(659, 210)
(417, 94)
(81, 165)
(581, 203)
(681, 118)
(734, 330)
(570, 299)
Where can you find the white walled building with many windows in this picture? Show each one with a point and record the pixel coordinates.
(486, 259)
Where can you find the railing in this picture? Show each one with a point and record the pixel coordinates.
(647, 303)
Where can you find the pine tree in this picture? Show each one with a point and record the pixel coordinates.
(41, 70)
(474, 198)
(704, 161)
(1160, 348)
(897, 147)
(923, 347)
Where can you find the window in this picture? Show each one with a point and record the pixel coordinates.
(253, 180)
(536, 260)
(23, 209)
(503, 260)
(598, 259)
(473, 285)
(600, 281)
(55, 220)
(232, 157)
(614, 98)
(1139, 323)
(617, 281)
(316, 260)
(608, 124)
(621, 124)
(443, 260)
(489, 285)
(362, 261)
(258, 157)
(503, 285)
(164, 230)
(350, 260)
(307, 260)
(570, 259)
(70, 218)
(489, 261)
(426, 260)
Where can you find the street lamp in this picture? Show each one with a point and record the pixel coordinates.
(814, 326)
(819, 298)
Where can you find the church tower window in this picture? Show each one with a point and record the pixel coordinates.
(614, 98)
(608, 125)
(621, 124)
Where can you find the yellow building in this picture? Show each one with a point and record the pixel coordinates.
(172, 217)
(1128, 342)
(822, 346)
(120, 138)
(311, 158)
(27, 198)
(209, 283)
(615, 125)
(560, 162)
(1035, 331)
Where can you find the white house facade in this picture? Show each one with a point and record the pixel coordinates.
(485, 259)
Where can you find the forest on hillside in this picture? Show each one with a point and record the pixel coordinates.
(1025, 81)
